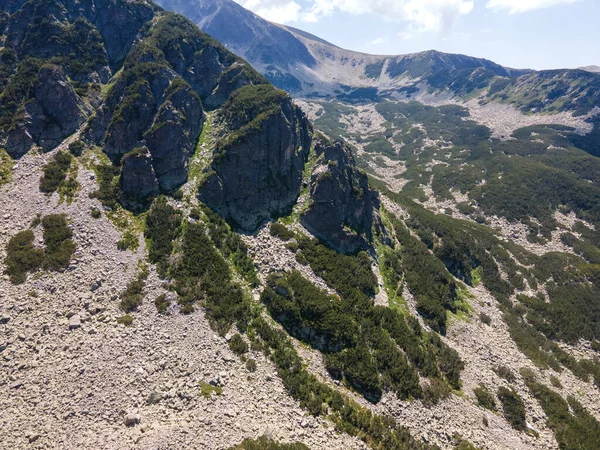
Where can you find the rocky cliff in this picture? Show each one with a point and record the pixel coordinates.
(257, 169)
(168, 72)
(343, 207)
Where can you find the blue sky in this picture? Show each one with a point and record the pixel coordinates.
(537, 34)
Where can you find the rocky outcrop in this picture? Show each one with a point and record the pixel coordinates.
(343, 208)
(157, 101)
(258, 175)
(54, 113)
(138, 179)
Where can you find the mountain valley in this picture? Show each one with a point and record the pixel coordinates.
(401, 252)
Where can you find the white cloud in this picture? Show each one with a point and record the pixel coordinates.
(279, 11)
(520, 6)
(422, 15)
(378, 41)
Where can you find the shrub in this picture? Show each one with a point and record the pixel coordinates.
(162, 228)
(132, 296)
(281, 231)
(55, 172)
(574, 427)
(76, 148)
(251, 365)
(162, 303)
(22, 256)
(485, 398)
(264, 443)
(485, 319)
(95, 213)
(554, 381)
(238, 345)
(435, 391)
(109, 189)
(512, 408)
(128, 241)
(57, 238)
(126, 320)
(506, 373)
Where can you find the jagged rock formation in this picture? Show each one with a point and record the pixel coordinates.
(169, 70)
(54, 112)
(343, 207)
(138, 179)
(157, 101)
(257, 170)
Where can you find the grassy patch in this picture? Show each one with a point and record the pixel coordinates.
(207, 390)
(6, 167)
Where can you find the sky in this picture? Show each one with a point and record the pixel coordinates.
(535, 34)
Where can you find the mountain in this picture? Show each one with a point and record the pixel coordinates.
(189, 261)
(308, 66)
(594, 69)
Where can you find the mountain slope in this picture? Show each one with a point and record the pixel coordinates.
(308, 66)
(163, 287)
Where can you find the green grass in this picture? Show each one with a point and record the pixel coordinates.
(207, 390)
(6, 167)
(203, 154)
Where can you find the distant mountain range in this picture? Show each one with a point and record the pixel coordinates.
(308, 66)
(595, 69)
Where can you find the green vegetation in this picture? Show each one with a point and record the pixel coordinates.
(574, 427)
(162, 303)
(506, 373)
(57, 239)
(133, 295)
(427, 278)
(6, 167)
(485, 319)
(126, 320)
(22, 256)
(246, 110)
(238, 345)
(129, 241)
(231, 246)
(18, 90)
(109, 189)
(485, 398)
(207, 390)
(76, 148)
(281, 231)
(251, 365)
(512, 408)
(362, 345)
(55, 172)
(264, 443)
(202, 274)
(163, 224)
